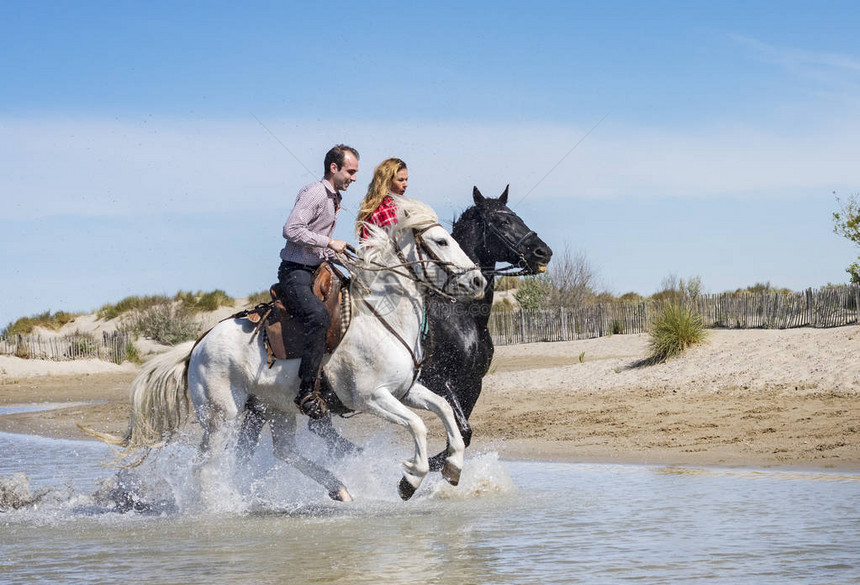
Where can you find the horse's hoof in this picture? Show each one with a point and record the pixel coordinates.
(451, 474)
(405, 489)
(341, 495)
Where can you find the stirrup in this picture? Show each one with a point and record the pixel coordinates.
(311, 404)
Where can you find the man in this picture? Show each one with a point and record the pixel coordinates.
(308, 233)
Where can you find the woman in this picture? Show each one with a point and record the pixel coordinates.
(378, 207)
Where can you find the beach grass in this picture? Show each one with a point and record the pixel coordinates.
(676, 328)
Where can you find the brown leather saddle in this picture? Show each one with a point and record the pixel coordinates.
(285, 334)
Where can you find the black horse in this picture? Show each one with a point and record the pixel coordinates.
(460, 347)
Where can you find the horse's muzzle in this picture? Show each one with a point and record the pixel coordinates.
(469, 285)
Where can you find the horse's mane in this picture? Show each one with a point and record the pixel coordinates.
(469, 215)
(411, 214)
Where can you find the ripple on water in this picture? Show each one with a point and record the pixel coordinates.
(508, 522)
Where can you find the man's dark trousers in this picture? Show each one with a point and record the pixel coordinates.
(297, 289)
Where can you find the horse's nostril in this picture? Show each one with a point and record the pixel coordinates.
(542, 253)
(477, 281)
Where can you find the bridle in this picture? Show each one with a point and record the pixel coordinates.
(512, 245)
(421, 244)
(411, 266)
(425, 255)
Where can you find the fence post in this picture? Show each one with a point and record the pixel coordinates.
(857, 303)
(522, 326)
(563, 314)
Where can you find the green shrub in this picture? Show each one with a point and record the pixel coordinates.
(764, 288)
(678, 290)
(603, 298)
(258, 298)
(533, 292)
(854, 272)
(194, 302)
(846, 223)
(631, 297)
(201, 301)
(128, 304)
(48, 320)
(675, 329)
(168, 323)
(131, 353)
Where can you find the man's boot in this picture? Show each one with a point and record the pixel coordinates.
(310, 402)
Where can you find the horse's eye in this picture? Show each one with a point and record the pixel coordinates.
(442, 242)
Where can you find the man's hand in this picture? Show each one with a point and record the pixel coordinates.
(337, 245)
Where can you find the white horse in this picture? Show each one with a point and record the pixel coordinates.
(374, 369)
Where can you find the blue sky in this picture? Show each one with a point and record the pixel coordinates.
(134, 162)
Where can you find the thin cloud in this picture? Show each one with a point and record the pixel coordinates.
(821, 66)
(109, 168)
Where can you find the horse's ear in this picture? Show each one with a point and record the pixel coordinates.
(477, 197)
(504, 197)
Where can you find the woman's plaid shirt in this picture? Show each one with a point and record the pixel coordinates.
(384, 215)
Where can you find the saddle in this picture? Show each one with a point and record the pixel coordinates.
(284, 334)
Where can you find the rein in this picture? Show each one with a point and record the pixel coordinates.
(416, 370)
(413, 275)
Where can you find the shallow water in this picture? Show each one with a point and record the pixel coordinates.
(508, 522)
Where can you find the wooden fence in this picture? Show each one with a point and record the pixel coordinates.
(112, 347)
(830, 307)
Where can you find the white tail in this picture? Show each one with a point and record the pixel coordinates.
(159, 405)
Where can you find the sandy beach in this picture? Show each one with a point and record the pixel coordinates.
(746, 398)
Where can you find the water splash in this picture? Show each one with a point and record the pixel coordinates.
(483, 476)
(16, 493)
(167, 484)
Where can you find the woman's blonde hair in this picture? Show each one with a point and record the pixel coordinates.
(379, 187)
